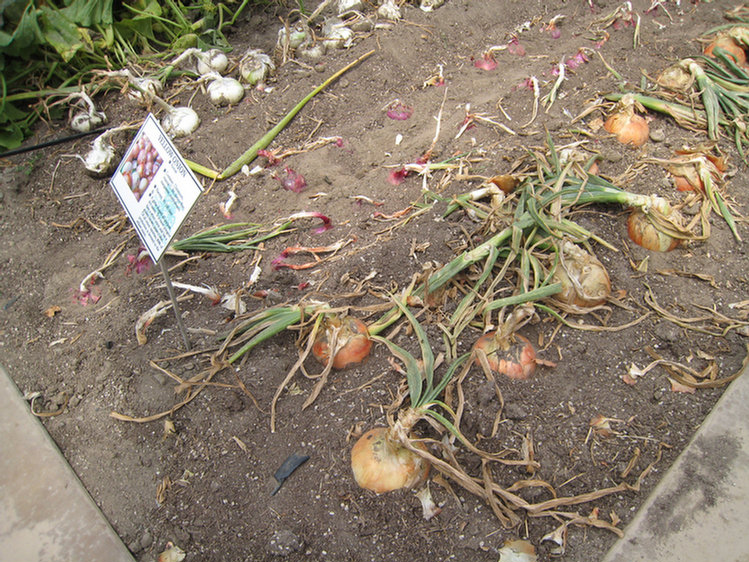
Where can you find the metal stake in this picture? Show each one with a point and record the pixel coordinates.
(170, 290)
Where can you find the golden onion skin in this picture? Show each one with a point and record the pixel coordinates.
(381, 464)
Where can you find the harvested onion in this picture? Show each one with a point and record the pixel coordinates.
(224, 90)
(625, 124)
(585, 282)
(644, 232)
(728, 43)
(511, 355)
(507, 352)
(381, 464)
(351, 337)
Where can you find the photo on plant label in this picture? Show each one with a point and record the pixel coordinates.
(140, 166)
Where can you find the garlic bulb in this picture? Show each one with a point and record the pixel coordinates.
(255, 67)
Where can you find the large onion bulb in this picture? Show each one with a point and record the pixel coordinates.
(512, 355)
(224, 90)
(381, 464)
(643, 231)
(180, 121)
(625, 124)
(351, 341)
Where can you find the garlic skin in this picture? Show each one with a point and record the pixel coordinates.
(180, 122)
(225, 91)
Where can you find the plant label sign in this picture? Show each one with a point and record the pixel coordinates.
(155, 187)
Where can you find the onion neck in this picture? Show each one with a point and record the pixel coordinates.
(401, 429)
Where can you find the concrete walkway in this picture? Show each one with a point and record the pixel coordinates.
(699, 511)
(45, 513)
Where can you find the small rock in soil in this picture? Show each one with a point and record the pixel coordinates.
(657, 135)
(146, 540)
(515, 412)
(284, 542)
(667, 331)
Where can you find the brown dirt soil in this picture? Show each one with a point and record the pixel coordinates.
(60, 224)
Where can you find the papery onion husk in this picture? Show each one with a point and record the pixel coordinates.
(676, 78)
(685, 168)
(510, 355)
(585, 281)
(381, 464)
(626, 125)
(351, 340)
(100, 160)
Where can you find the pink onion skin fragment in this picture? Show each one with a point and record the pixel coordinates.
(399, 111)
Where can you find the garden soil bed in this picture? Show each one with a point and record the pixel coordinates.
(207, 485)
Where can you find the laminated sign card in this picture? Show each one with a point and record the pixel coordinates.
(155, 187)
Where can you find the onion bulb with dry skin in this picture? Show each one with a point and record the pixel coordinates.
(351, 341)
(381, 464)
(507, 352)
(685, 168)
(646, 225)
(255, 67)
(224, 90)
(625, 124)
(512, 356)
(180, 121)
(728, 43)
(585, 282)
